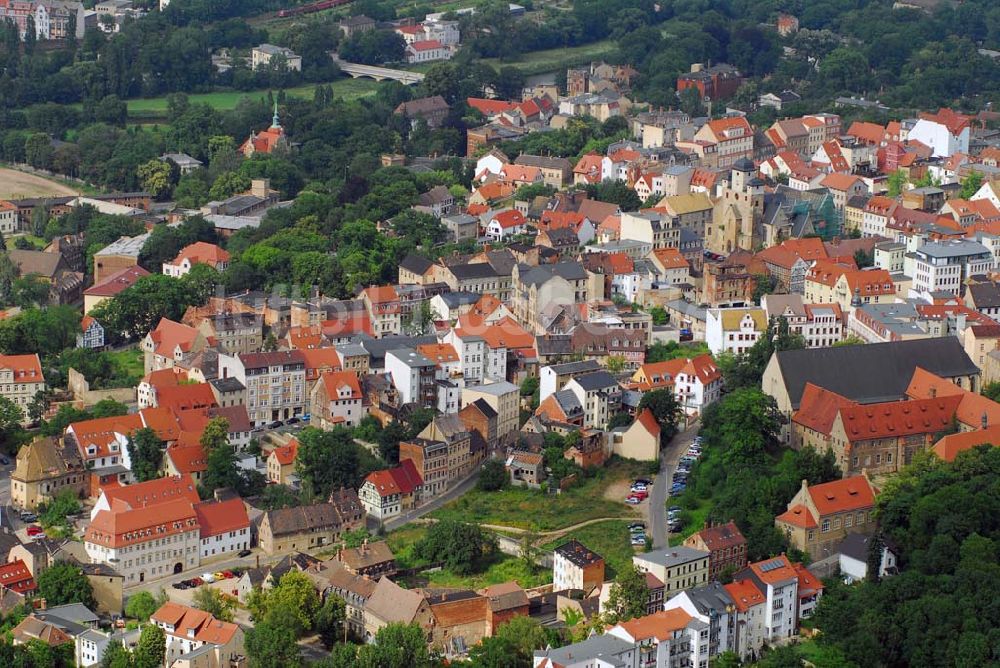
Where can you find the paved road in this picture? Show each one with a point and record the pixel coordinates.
(452, 494)
(658, 499)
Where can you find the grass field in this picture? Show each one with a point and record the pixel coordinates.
(504, 568)
(156, 107)
(129, 363)
(530, 509)
(694, 520)
(608, 539)
(539, 62)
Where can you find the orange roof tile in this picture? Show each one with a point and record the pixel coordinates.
(871, 133)
(201, 252)
(25, 368)
(659, 625)
(949, 446)
(818, 408)
(809, 584)
(854, 493)
(381, 294)
(152, 492)
(837, 181)
(898, 418)
(971, 407)
(745, 594)
(649, 423)
(285, 454)
(798, 515)
(118, 527)
(333, 381)
(220, 517)
(188, 455)
(16, 576)
(779, 569)
(509, 218)
(170, 335)
(441, 353)
(670, 258)
(193, 623)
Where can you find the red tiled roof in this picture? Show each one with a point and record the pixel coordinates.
(837, 181)
(220, 517)
(152, 492)
(334, 380)
(191, 623)
(509, 218)
(426, 45)
(971, 407)
(854, 493)
(201, 252)
(490, 107)
(871, 133)
(779, 569)
(745, 594)
(818, 408)
(117, 528)
(285, 454)
(671, 258)
(809, 584)
(25, 368)
(722, 536)
(649, 423)
(660, 625)
(949, 446)
(16, 577)
(186, 397)
(188, 458)
(798, 515)
(116, 282)
(169, 335)
(381, 294)
(898, 418)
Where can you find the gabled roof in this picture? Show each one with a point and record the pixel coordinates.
(333, 381)
(818, 408)
(838, 496)
(649, 423)
(402, 479)
(722, 536)
(285, 454)
(972, 407)
(951, 445)
(745, 594)
(221, 517)
(201, 252)
(842, 182)
(660, 625)
(190, 623)
(116, 282)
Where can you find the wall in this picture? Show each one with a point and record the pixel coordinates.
(80, 388)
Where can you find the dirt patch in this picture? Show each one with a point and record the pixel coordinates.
(18, 185)
(618, 490)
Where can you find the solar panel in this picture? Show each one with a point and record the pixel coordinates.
(772, 565)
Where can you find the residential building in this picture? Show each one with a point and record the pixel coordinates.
(413, 375)
(640, 440)
(431, 110)
(280, 465)
(945, 132)
(21, 379)
(713, 83)
(337, 399)
(430, 458)
(274, 381)
(854, 553)
(945, 266)
(372, 560)
(108, 586)
(166, 345)
(653, 227)
(145, 543)
(44, 468)
(554, 377)
(113, 258)
(696, 382)
(384, 310)
(504, 398)
(390, 492)
(310, 527)
(821, 325)
(199, 252)
(195, 638)
(576, 567)
(597, 651)
(734, 330)
(525, 468)
(600, 396)
(749, 609)
(666, 638)
(778, 582)
(91, 334)
(269, 55)
(678, 568)
(722, 142)
(820, 516)
(225, 527)
(111, 286)
(711, 605)
(726, 546)
(426, 51)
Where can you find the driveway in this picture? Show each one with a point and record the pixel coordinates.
(658, 499)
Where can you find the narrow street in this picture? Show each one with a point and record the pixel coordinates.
(658, 498)
(450, 495)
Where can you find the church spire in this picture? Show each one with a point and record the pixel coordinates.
(274, 120)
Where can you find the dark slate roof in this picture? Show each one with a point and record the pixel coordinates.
(484, 408)
(576, 367)
(456, 299)
(985, 295)
(418, 264)
(472, 271)
(554, 344)
(854, 545)
(596, 380)
(712, 596)
(377, 348)
(576, 553)
(571, 271)
(873, 372)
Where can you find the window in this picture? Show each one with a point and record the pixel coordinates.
(826, 526)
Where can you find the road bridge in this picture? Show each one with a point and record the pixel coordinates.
(356, 70)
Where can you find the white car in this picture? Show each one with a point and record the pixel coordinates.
(208, 577)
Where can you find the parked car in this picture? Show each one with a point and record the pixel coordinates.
(642, 481)
(638, 540)
(4, 460)
(306, 417)
(207, 577)
(243, 553)
(640, 495)
(181, 585)
(632, 500)
(293, 420)
(195, 582)
(35, 530)
(28, 516)
(637, 525)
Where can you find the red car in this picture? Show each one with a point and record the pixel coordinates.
(640, 495)
(196, 582)
(35, 530)
(228, 574)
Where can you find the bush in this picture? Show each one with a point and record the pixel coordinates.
(494, 476)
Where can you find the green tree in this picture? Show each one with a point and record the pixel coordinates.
(145, 449)
(524, 635)
(971, 185)
(56, 512)
(292, 604)
(117, 656)
(155, 177)
(463, 548)
(228, 184)
(329, 623)
(270, 644)
(992, 391)
(10, 416)
(141, 605)
(494, 653)
(665, 409)
(216, 603)
(628, 596)
(896, 183)
(151, 649)
(493, 476)
(397, 646)
(63, 583)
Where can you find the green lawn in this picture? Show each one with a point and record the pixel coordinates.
(694, 520)
(129, 363)
(608, 539)
(37, 242)
(504, 568)
(155, 107)
(530, 509)
(540, 62)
